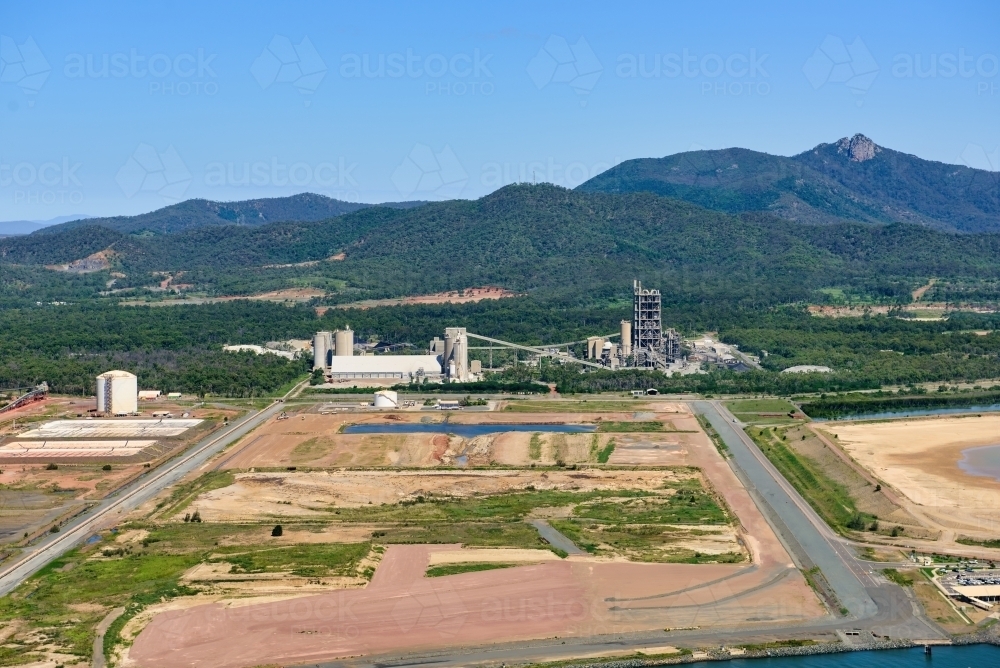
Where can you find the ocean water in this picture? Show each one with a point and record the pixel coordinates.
(463, 430)
(971, 656)
(982, 461)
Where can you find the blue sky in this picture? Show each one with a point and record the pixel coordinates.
(120, 108)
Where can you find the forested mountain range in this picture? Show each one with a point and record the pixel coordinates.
(195, 213)
(542, 239)
(851, 179)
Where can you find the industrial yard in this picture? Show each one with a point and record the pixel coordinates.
(715, 532)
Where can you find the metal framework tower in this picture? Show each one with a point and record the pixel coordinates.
(647, 326)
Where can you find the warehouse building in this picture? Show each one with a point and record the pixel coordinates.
(117, 393)
(333, 352)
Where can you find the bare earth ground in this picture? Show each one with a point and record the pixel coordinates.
(401, 610)
(311, 439)
(311, 494)
(467, 296)
(919, 458)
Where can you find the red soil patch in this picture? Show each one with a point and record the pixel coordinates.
(401, 610)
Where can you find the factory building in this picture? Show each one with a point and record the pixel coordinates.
(448, 357)
(117, 393)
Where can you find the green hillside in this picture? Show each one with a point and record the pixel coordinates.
(195, 213)
(851, 179)
(543, 240)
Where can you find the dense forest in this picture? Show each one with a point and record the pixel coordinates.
(180, 347)
(572, 255)
(542, 240)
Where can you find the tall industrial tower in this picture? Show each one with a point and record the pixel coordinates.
(651, 346)
(647, 326)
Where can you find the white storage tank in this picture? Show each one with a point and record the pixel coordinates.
(626, 338)
(345, 343)
(386, 399)
(117, 393)
(321, 349)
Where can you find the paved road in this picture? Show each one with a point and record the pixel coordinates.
(793, 519)
(127, 498)
(556, 539)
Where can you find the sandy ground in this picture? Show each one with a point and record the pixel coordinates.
(468, 295)
(402, 610)
(919, 458)
(311, 494)
(491, 555)
(312, 439)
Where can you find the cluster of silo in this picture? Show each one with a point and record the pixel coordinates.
(326, 345)
(455, 357)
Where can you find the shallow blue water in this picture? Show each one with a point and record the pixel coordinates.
(463, 430)
(973, 656)
(981, 461)
(914, 413)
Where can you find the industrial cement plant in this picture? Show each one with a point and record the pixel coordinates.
(643, 344)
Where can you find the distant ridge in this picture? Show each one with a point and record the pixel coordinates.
(195, 213)
(850, 179)
(13, 227)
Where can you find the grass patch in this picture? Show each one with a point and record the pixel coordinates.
(630, 427)
(760, 406)
(720, 445)
(991, 542)
(604, 454)
(310, 560)
(185, 493)
(778, 644)
(535, 447)
(829, 498)
(573, 406)
(455, 569)
(895, 576)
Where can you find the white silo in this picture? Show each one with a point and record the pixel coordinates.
(321, 349)
(117, 393)
(626, 338)
(345, 343)
(455, 361)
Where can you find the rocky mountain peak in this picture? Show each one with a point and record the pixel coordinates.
(858, 148)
